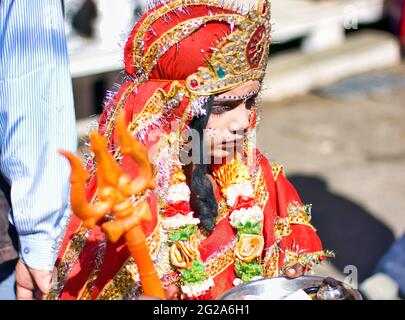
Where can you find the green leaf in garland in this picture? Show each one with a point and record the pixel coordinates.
(195, 274)
(247, 271)
(249, 228)
(182, 233)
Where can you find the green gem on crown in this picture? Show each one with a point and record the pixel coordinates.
(221, 73)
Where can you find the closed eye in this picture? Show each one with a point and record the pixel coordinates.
(220, 107)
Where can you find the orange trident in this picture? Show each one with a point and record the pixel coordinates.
(115, 189)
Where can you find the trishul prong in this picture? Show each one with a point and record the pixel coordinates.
(90, 214)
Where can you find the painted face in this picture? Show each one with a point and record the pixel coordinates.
(229, 120)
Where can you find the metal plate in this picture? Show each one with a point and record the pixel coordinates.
(279, 288)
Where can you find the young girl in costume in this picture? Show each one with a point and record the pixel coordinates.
(222, 213)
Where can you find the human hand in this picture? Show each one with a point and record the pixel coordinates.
(31, 283)
(297, 270)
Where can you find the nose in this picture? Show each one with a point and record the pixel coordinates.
(240, 119)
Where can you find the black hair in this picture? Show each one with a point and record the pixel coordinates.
(202, 199)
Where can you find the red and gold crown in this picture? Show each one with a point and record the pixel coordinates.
(238, 54)
(240, 57)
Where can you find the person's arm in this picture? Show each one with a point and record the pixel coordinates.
(37, 119)
(300, 245)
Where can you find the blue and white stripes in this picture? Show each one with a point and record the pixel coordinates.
(36, 120)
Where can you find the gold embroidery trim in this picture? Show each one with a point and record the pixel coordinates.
(300, 214)
(307, 260)
(87, 291)
(276, 170)
(261, 192)
(221, 259)
(153, 109)
(270, 262)
(122, 281)
(297, 214)
(282, 228)
(71, 255)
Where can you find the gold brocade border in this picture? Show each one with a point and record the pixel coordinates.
(221, 259)
(120, 284)
(276, 169)
(261, 192)
(249, 144)
(72, 253)
(270, 262)
(282, 228)
(86, 292)
(297, 214)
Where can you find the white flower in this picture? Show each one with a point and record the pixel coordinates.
(197, 289)
(241, 189)
(180, 220)
(253, 214)
(179, 192)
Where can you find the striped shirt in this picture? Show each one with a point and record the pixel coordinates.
(36, 120)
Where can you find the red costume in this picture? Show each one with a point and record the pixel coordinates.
(178, 54)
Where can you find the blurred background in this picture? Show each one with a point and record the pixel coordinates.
(333, 115)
